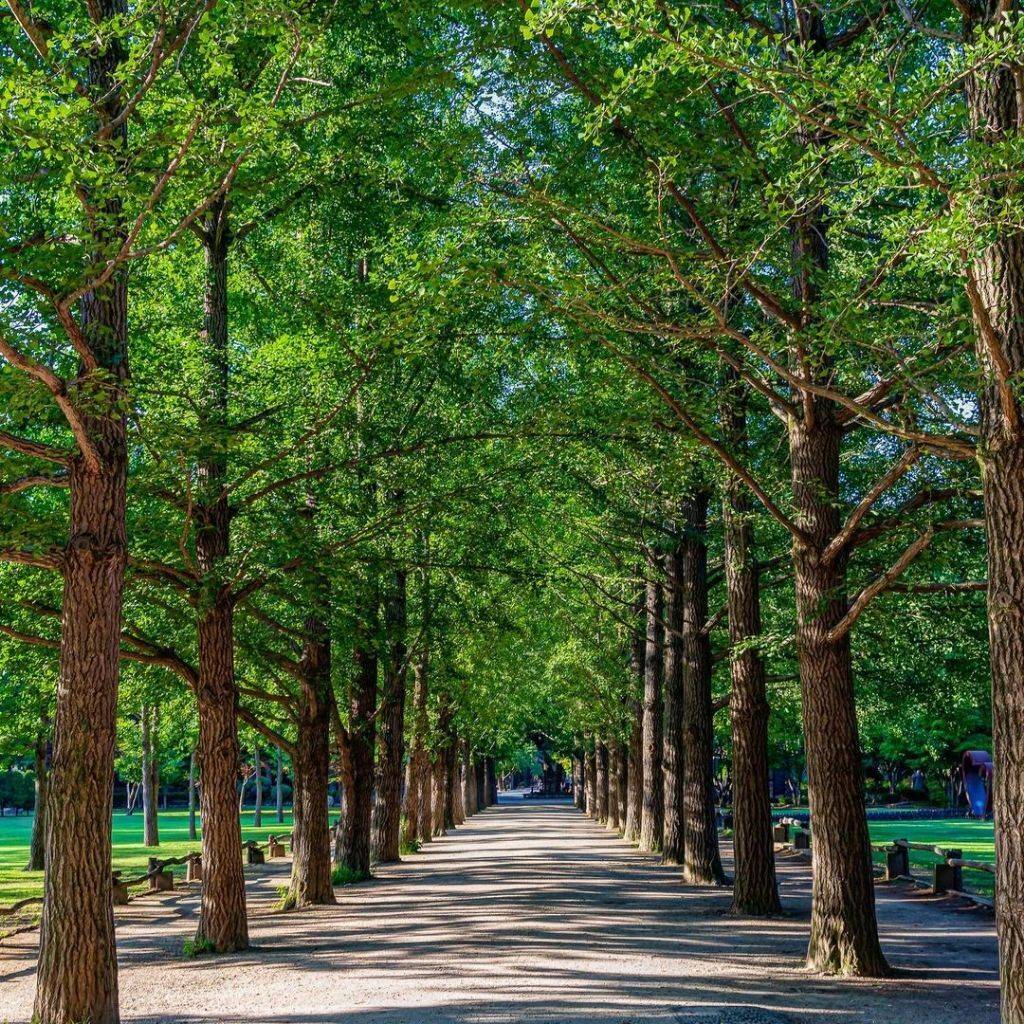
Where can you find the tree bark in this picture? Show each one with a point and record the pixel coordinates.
(755, 891)
(311, 841)
(150, 776)
(279, 786)
(355, 848)
(257, 812)
(37, 847)
(577, 780)
(76, 977)
(997, 272)
(673, 757)
(193, 834)
(387, 811)
(844, 933)
(590, 781)
(702, 864)
(634, 704)
(222, 916)
(614, 757)
(468, 780)
(480, 775)
(601, 785)
(652, 807)
(438, 774)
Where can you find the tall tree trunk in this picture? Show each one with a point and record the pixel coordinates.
(614, 757)
(673, 757)
(37, 847)
(257, 813)
(652, 806)
(635, 706)
(590, 781)
(414, 769)
(577, 780)
(193, 834)
(702, 864)
(480, 775)
(387, 811)
(755, 891)
(279, 786)
(447, 758)
(622, 781)
(996, 291)
(438, 774)
(222, 916)
(355, 849)
(601, 785)
(491, 781)
(844, 933)
(468, 780)
(150, 776)
(311, 842)
(76, 976)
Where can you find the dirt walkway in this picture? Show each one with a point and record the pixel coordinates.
(530, 912)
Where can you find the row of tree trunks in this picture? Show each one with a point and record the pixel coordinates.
(388, 807)
(652, 804)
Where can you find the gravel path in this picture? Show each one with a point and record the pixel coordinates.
(531, 912)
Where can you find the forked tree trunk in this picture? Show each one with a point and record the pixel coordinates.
(37, 847)
(601, 784)
(672, 702)
(355, 846)
(996, 117)
(755, 891)
(387, 810)
(76, 977)
(702, 864)
(652, 807)
(150, 776)
(311, 843)
(844, 933)
(590, 782)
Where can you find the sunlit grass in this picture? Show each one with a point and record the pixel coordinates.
(130, 856)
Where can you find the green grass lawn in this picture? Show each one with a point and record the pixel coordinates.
(129, 853)
(975, 838)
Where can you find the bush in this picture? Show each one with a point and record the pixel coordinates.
(344, 875)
